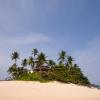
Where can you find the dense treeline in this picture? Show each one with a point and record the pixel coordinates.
(38, 68)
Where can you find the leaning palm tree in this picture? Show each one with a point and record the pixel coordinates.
(62, 57)
(15, 56)
(35, 52)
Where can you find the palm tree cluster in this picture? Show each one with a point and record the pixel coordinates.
(38, 67)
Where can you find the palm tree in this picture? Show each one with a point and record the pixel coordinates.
(62, 57)
(31, 62)
(35, 52)
(70, 62)
(13, 71)
(24, 63)
(51, 63)
(15, 56)
(41, 60)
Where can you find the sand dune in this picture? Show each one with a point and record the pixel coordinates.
(20, 90)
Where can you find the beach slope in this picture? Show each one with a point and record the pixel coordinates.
(22, 90)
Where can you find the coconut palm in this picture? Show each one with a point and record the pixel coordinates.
(13, 71)
(62, 57)
(69, 62)
(41, 60)
(15, 56)
(51, 63)
(35, 52)
(31, 62)
(24, 63)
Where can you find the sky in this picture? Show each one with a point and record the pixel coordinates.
(51, 26)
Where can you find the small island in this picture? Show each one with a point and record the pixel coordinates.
(37, 67)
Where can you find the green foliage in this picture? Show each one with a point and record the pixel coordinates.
(60, 74)
(13, 71)
(47, 70)
(36, 76)
(16, 72)
(30, 76)
(74, 75)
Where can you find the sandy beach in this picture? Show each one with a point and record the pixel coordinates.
(21, 90)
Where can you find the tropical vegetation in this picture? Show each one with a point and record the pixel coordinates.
(38, 67)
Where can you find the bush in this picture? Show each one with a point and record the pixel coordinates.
(36, 76)
(30, 76)
(58, 73)
(74, 75)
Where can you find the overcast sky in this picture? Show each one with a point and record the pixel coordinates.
(51, 26)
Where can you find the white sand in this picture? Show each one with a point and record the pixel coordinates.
(17, 90)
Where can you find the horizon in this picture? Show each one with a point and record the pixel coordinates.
(52, 26)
